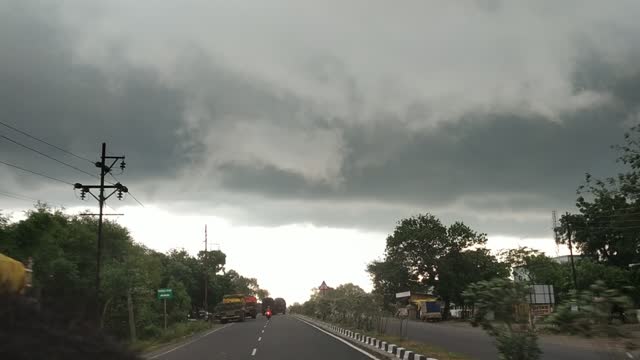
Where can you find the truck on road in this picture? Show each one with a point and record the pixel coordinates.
(267, 303)
(251, 306)
(232, 308)
(280, 306)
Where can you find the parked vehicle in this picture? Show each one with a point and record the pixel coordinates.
(196, 315)
(430, 311)
(280, 306)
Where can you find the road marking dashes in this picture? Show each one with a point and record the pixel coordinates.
(260, 338)
(253, 353)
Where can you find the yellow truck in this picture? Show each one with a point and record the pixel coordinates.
(232, 308)
(15, 278)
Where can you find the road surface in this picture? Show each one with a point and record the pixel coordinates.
(283, 337)
(476, 344)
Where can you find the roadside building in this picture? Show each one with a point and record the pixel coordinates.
(324, 289)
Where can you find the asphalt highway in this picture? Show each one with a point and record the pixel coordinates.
(283, 337)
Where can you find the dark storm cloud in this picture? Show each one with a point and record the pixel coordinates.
(207, 134)
(506, 164)
(44, 91)
(496, 154)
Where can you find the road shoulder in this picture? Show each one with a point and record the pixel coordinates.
(179, 343)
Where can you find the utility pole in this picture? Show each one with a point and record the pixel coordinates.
(206, 273)
(569, 234)
(573, 265)
(101, 198)
(554, 219)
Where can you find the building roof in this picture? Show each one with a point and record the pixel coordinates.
(323, 286)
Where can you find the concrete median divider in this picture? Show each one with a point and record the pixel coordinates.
(382, 348)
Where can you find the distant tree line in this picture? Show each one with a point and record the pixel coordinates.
(348, 304)
(63, 250)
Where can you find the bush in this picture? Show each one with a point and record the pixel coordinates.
(518, 345)
(151, 332)
(515, 340)
(591, 313)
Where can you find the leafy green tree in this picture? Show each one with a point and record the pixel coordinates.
(391, 276)
(515, 340)
(130, 283)
(535, 268)
(180, 304)
(63, 248)
(262, 293)
(425, 246)
(243, 285)
(186, 269)
(606, 228)
(457, 270)
(347, 304)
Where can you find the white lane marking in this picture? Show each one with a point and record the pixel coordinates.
(341, 340)
(260, 338)
(190, 342)
(253, 353)
(263, 331)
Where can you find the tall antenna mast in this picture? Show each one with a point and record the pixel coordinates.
(206, 271)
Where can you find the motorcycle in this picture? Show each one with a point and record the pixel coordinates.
(268, 314)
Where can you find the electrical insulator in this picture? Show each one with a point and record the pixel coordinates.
(83, 194)
(122, 165)
(119, 195)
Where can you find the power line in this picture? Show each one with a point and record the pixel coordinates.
(134, 198)
(129, 192)
(15, 197)
(27, 198)
(30, 199)
(57, 160)
(607, 227)
(45, 142)
(48, 156)
(36, 173)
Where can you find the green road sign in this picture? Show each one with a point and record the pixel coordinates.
(165, 294)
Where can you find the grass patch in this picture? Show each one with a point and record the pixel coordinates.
(422, 348)
(174, 333)
(417, 347)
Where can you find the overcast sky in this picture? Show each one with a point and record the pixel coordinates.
(311, 127)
